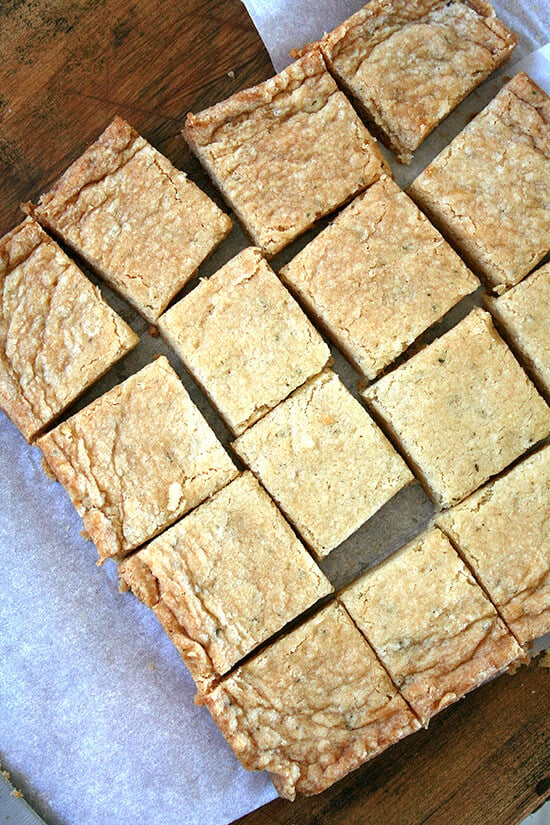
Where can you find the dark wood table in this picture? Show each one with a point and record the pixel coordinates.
(68, 66)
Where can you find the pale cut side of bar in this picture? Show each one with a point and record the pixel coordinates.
(524, 314)
(324, 461)
(462, 409)
(378, 276)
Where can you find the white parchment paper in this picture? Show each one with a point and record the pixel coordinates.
(285, 25)
(97, 722)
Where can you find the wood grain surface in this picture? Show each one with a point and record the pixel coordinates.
(483, 761)
(68, 66)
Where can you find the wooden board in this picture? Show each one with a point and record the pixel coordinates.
(68, 66)
(484, 761)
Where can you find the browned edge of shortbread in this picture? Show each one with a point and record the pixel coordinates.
(411, 12)
(199, 128)
(13, 403)
(98, 527)
(430, 693)
(136, 576)
(395, 724)
(526, 621)
(117, 137)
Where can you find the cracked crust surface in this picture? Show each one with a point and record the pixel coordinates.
(430, 623)
(135, 218)
(286, 152)
(524, 312)
(244, 339)
(136, 459)
(489, 190)
(503, 532)
(225, 578)
(312, 707)
(324, 461)
(373, 277)
(409, 63)
(462, 409)
(57, 334)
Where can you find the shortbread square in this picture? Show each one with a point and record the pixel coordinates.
(324, 461)
(136, 459)
(503, 533)
(430, 624)
(378, 276)
(524, 314)
(225, 578)
(489, 190)
(311, 707)
(286, 152)
(244, 339)
(462, 409)
(136, 219)
(57, 334)
(408, 64)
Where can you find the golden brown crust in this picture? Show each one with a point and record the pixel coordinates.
(489, 189)
(373, 276)
(462, 409)
(136, 459)
(324, 461)
(201, 128)
(503, 532)
(286, 152)
(244, 339)
(57, 334)
(141, 224)
(225, 578)
(408, 64)
(436, 689)
(430, 624)
(312, 707)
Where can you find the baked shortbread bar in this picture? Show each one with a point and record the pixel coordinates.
(311, 707)
(57, 334)
(489, 190)
(430, 624)
(136, 459)
(244, 339)
(225, 578)
(503, 532)
(324, 461)
(408, 64)
(136, 219)
(286, 152)
(524, 314)
(378, 276)
(462, 409)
